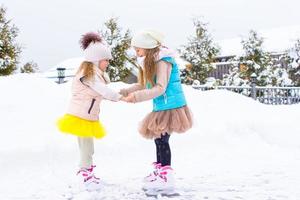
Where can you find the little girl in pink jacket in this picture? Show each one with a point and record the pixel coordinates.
(82, 117)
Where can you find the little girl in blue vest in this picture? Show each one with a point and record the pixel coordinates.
(159, 80)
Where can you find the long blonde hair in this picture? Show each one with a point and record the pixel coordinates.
(147, 74)
(87, 70)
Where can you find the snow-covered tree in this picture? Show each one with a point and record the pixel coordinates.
(200, 52)
(29, 67)
(269, 70)
(275, 74)
(233, 78)
(185, 76)
(119, 41)
(294, 70)
(9, 49)
(259, 59)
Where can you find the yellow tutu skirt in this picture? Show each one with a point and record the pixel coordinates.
(80, 127)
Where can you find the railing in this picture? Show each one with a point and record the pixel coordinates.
(266, 95)
(221, 68)
(278, 95)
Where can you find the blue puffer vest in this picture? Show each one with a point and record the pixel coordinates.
(173, 96)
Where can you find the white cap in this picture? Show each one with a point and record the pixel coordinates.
(97, 51)
(147, 39)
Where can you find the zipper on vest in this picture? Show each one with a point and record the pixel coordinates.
(92, 104)
(165, 98)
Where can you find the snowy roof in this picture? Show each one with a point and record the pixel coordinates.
(275, 40)
(71, 66)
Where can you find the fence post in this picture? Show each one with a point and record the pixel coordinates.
(253, 85)
(60, 74)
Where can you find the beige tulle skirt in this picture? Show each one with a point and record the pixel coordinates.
(156, 123)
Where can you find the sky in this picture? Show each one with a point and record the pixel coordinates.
(50, 30)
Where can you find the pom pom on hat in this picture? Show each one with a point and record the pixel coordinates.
(147, 39)
(89, 38)
(94, 48)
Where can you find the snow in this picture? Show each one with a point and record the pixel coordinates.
(181, 63)
(238, 148)
(5, 61)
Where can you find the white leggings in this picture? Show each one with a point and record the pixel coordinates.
(86, 151)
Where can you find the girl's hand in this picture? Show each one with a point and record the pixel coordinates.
(130, 98)
(122, 98)
(123, 92)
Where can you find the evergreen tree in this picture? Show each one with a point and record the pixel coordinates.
(234, 77)
(269, 70)
(120, 43)
(294, 69)
(275, 74)
(200, 52)
(9, 49)
(255, 59)
(185, 76)
(29, 67)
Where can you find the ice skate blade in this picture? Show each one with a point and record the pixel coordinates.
(161, 192)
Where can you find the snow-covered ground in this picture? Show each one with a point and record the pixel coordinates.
(238, 149)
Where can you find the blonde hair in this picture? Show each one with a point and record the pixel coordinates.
(87, 70)
(147, 74)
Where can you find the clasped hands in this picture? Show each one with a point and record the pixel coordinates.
(129, 98)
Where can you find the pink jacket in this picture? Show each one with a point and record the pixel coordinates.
(87, 96)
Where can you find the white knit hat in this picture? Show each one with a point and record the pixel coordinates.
(147, 39)
(97, 51)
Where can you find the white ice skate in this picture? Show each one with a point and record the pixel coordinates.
(164, 181)
(88, 180)
(154, 173)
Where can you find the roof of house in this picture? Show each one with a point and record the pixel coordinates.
(275, 40)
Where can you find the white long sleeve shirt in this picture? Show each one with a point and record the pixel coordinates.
(99, 85)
